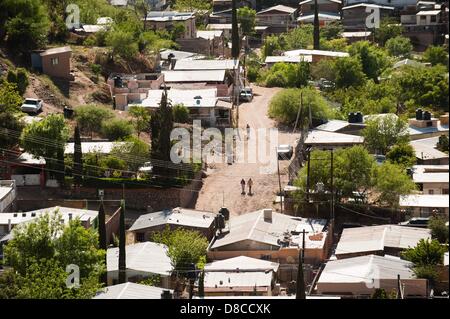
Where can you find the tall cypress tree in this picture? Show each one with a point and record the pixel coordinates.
(201, 284)
(77, 157)
(235, 41)
(102, 236)
(316, 27)
(122, 251)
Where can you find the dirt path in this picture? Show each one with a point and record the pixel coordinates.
(222, 186)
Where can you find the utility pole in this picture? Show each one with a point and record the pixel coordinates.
(308, 181)
(399, 288)
(316, 27)
(300, 276)
(279, 181)
(299, 112)
(332, 190)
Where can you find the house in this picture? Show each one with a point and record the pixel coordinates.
(272, 236)
(398, 4)
(207, 42)
(130, 290)
(378, 240)
(427, 153)
(425, 125)
(54, 62)
(354, 17)
(143, 260)
(240, 276)
(7, 194)
(432, 183)
(271, 60)
(355, 36)
(9, 220)
(330, 140)
(103, 24)
(25, 170)
(278, 18)
(424, 205)
(196, 220)
(132, 88)
(345, 127)
(168, 20)
(361, 276)
(202, 104)
(324, 6)
(317, 55)
(99, 147)
(227, 65)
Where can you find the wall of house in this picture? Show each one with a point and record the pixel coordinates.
(62, 69)
(357, 17)
(324, 7)
(435, 188)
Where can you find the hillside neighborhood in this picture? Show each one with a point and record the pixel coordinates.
(224, 149)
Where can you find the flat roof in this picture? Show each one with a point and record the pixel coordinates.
(194, 76)
(176, 216)
(334, 125)
(209, 34)
(428, 13)
(178, 55)
(356, 34)
(164, 16)
(29, 159)
(93, 147)
(430, 178)
(242, 263)
(288, 59)
(130, 290)
(426, 148)
(318, 137)
(56, 51)
(189, 98)
(145, 257)
(427, 201)
(316, 52)
(206, 65)
(229, 281)
(375, 238)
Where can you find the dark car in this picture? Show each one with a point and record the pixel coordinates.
(416, 222)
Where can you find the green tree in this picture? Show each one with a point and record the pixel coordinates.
(185, 247)
(288, 75)
(380, 293)
(439, 230)
(391, 182)
(298, 38)
(285, 104)
(399, 46)
(10, 129)
(117, 129)
(349, 72)
(97, 70)
(436, 55)
(10, 99)
(133, 151)
(442, 144)
(383, 132)
(141, 118)
(402, 154)
(77, 158)
(427, 252)
(122, 43)
(20, 78)
(388, 29)
(247, 19)
(46, 139)
(180, 113)
(90, 117)
(271, 46)
(373, 59)
(192, 5)
(331, 30)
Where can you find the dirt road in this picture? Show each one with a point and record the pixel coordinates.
(222, 186)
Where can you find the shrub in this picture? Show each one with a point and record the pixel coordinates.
(180, 113)
(117, 129)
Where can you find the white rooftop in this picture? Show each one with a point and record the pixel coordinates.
(249, 280)
(428, 201)
(428, 13)
(416, 131)
(407, 62)
(145, 257)
(318, 137)
(194, 76)
(426, 148)
(178, 55)
(164, 16)
(430, 178)
(176, 216)
(356, 34)
(316, 52)
(189, 98)
(366, 269)
(430, 168)
(369, 5)
(93, 147)
(288, 59)
(375, 238)
(280, 8)
(334, 125)
(130, 290)
(209, 34)
(242, 263)
(322, 16)
(206, 65)
(29, 159)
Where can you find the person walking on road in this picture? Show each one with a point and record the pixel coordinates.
(250, 184)
(248, 132)
(243, 186)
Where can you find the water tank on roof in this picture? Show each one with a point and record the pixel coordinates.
(355, 117)
(351, 117)
(225, 212)
(419, 114)
(426, 116)
(118, 82)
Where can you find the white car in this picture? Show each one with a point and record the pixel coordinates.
(31, 106)
(285, 151)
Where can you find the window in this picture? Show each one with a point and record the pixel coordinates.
(140, 237)
(431, 191)
(433, 19)
(445, 191)
(55, 61)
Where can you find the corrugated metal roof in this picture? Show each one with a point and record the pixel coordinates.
(279, 7)
(428, 13)
(242, 263)
(56, 51)
(431, 178)
(375, 238)
(189, 98)
(194, 76)
(218, 279)
(206, 65)
(209, 34)
(322, 16)
(145, 257)
(131, 290)
(426, 148)
(316, 52)
(176, 216)
(288, 59)
(317, 137)
(333, 125)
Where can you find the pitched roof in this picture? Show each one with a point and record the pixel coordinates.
(322, 16)
(316, 52)
(430, 201)
(237, 281)
(281, 8)
(147, 257)
(131, 290)
(288, 59)
(365, 269)
(370, 5)
(163, 16)
(176, 216)
(56, 51)
(242, 263)
(375, 238)
(426, 148)
(209, 34)
(254, 227)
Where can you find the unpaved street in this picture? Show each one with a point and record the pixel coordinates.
(222, 186)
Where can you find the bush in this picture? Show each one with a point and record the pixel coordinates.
(287, 75)
(436, 55)
(276, 79)
(439, 230)
(180, 113)
(90, 117)
(117, 129)
(20, 78)
(399, 46)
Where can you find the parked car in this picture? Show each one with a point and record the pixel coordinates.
(325, 84)
(246, 94)
(31, 106)
(416, 222)
(285, 151)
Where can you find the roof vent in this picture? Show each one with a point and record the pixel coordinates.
(24, 214)
(267, 215)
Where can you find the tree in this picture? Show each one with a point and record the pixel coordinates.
(380, 293)
(46, 139)
(192, 5)
(442, 144)
(10, 98)
(180, 113)
(89, 117)
(122, 243)
(247, 19)
(271, 45)
(399, 46)
(391, 182)
(235, 38)
(383, 132)
(133, 151)
(185, 247)
(40, 251)
(141, 118)
(427, 252)
(25, 23)
(388, 29)
(20, 78)
(97, 70)
(285, 104)
(117, 129)
(332, 30)
(402, 154)
(122, 43)
(10, 129)
(316, 26)
(77, 158)
(373, 60)
(439, 230)
(349, 73)
(287, 75)
(298, 38)
(436, 55)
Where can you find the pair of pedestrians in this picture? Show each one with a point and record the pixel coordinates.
(249, 184)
